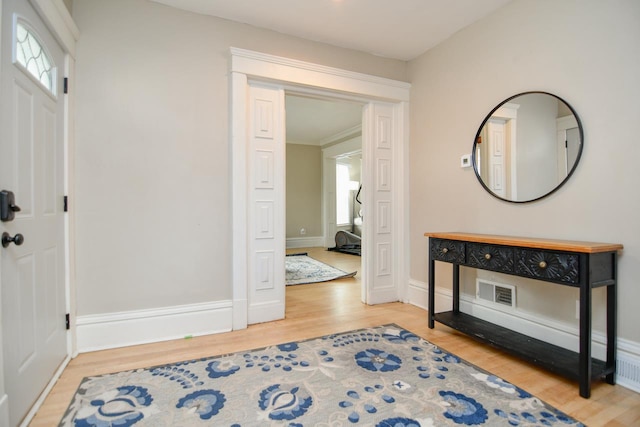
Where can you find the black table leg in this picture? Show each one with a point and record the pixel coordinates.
(456, 288)
(432, 292)
(585, 340)
(612, 302)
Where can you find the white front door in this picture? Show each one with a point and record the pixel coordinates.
(31, 166)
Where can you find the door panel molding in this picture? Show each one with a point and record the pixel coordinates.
(266, 238)
(381, 243)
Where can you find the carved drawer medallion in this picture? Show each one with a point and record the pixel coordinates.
(447, 250)
(552, 266)
(490, 257)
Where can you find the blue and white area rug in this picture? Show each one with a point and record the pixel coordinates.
(382, 376)
(301, 269)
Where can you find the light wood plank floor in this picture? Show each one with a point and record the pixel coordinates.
(320, 309)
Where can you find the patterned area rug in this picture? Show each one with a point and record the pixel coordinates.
(301, 269)
(383, 376)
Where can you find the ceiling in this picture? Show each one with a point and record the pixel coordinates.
(398, 29)
(313, 121)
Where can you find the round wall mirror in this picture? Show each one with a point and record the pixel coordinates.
(527, 147)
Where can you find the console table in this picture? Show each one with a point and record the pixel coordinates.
(583, 265)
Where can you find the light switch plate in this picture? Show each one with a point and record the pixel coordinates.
(465, 161)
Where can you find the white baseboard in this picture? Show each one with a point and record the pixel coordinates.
(418, 294)
(265, 312)
(240, 316)
(112, 330)
(549, 330)
(305, 242)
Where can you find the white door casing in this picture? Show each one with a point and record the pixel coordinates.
(33, 164)
(382, 98)
(266, 203)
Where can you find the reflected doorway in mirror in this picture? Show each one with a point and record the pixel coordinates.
(527, 147)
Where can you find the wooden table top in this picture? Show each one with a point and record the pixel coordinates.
(530, 242)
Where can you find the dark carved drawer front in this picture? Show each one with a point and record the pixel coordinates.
(447, 250)
(490, 257)
(552, 266)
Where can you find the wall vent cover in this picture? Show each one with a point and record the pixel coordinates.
(497, 293)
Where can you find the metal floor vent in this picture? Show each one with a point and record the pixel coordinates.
(497, 293)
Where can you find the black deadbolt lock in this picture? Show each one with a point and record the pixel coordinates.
(8, 206)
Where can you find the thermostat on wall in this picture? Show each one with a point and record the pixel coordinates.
(465, 161)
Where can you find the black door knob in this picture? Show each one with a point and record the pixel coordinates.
(18, 239)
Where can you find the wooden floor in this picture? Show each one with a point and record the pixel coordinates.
(320, 309)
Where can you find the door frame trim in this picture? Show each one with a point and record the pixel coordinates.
(58, 19)
(249, 65)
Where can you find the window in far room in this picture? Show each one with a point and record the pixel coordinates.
(342, 194)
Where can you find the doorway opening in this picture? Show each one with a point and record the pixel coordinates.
(323, 175)
(258, 83)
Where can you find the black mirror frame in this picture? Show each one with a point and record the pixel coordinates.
(557, 187)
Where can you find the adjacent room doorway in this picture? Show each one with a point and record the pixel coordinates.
(323, 176)
(321, 136)
(258, 86)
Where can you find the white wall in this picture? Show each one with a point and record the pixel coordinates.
(153, 168)
(153, 227)
(586, 52)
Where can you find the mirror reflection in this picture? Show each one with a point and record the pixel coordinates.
(527, 147)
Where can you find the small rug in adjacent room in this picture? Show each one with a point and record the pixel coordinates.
(301, 269)
(383, 376)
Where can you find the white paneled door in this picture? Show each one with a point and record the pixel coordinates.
(380, 250)
(32, 167)
(266, 183)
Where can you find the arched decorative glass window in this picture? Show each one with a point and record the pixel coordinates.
(32, 56)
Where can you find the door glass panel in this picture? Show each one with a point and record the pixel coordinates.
(32, 56)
